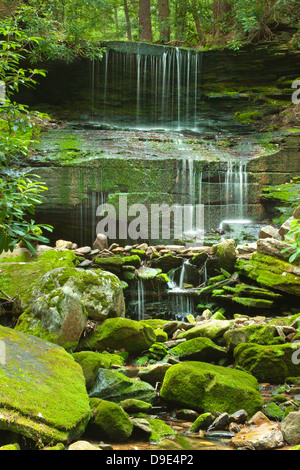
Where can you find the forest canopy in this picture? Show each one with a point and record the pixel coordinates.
(65, 24)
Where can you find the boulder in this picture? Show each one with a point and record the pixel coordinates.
(83, 445)
(211, 329)
(91, 362)
(271, 273)
(63, 245)
(101, 242)
(120, 333)
(259, 434)
(42, 394)
(269, 232)
(116, 387)
(109, 421)
(199, 349)
(291, 428)
(272, 363)
(226, 254)
(154, 374)
(209, 388)
(258, 334)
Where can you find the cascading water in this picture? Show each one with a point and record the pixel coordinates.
(161, 90)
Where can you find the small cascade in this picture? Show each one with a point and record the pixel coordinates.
(183, 303)
(159, 90)
(141, 299)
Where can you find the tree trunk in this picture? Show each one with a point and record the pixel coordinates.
(145, 21)
(221, 9)
(127, 19)
(164, 16)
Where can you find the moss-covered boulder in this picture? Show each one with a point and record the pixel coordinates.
(271, 364)
(120, 333)
(167, 262)
(212, 329)
(226, 254)
(91, 362)
(109, 421)
(42, 393)
(258, 334)
(133, 406)
(199, 349)
(18, 278)
(116, 387)
(271, 273)
(65, 298)
(209, 388)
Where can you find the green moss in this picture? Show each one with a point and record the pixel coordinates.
(133, 406)
(202, 422)
(200, 349)
(248, 116)
(209, 388)
(160, 430)
(91, 361)
(109, 421)
(273, 412)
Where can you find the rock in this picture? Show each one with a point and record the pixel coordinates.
(269, 232)
(120, 333)
(286, 227)
(258, 334)
(246, 249)
(133, 406)
(63, 245)
(59, 317)
(211, 329)
(259, 434)
(291, 428)
(116, 387)
(83, 250)
(202, 422)
(91, 362)
(226, 254)
(220, 423)
(201, 386)
(160, 430)
(154, 373)
(272, 363)
(109, 421)
(167, 262)
(271, 273)
(273, 247)
(296, 213)
(199, 349)
(11, 447)
(52, 404)
(83, 445)
(101, 242)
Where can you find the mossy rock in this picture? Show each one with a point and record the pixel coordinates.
(212, 329)
(199, 349)
(271, 273)
(133, 406)
(271, 364)
(167, 262)
(160, 430)
(202, 422)
(209, 388)
(20, 278)
(109, 421)
(116, 387)
(273, 412)
(258, 334)
(120, 333)
(43, 394)
(226, 254)
(11, 447)
(91, 362)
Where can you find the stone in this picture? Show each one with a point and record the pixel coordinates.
(83, 445)
(273, 247)
(154, 374)
(210, 388)
(259, 434)
(258, 334)
(133, 406)
(272, 363)
(286, 227)
(226, 254)
(91, 362)
(120, 333)
(269, 232)
(202, 422)
(220, 423)
(63, 245)
(291, 428)
(42, 394)
(211, 329)
(101, 242)
(296, 213)
(116, 387)
(109, 421)
(199, 349)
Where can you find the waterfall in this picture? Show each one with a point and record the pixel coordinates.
(162, 88)
(141, 299)
(183, 303)
(236, 191)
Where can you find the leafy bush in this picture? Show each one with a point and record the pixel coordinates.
(293, 238)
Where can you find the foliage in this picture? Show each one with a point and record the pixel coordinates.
(19, 194)
(293, 238)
